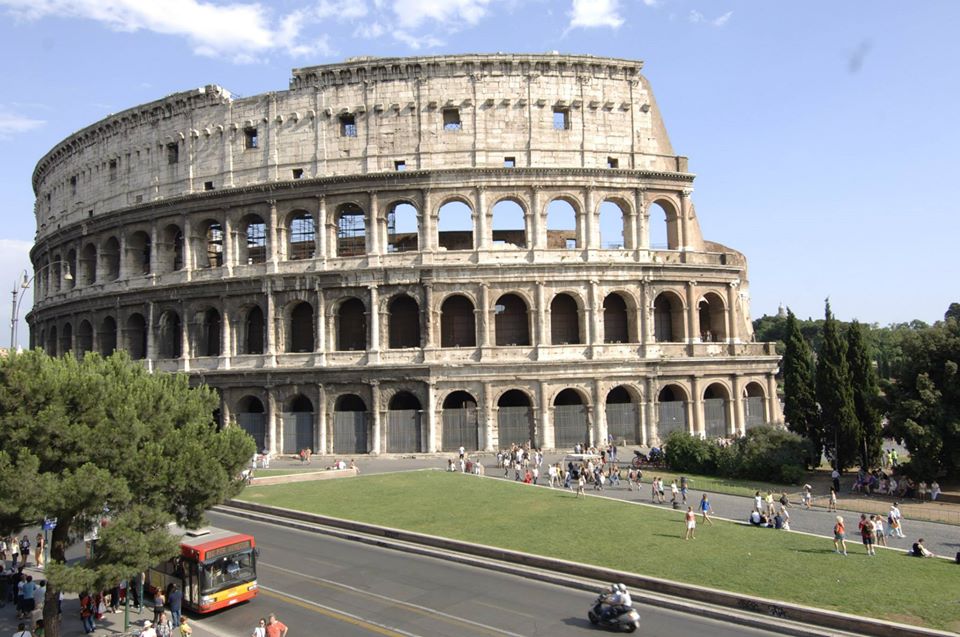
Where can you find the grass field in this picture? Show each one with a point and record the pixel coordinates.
(647, 540)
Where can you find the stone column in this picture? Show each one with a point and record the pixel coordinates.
(271, 344)
(489, 418)
(122, 268)
(375, 414)
(643, 219)
(185, 337)
(484, 314)
(427, 339)
(320, 340)
(730, 413)
(693, 318)
(683, 228)
(373, 318)
(591, 230)
(696, 400)
(151, 352)
(772, 415)
(600, 411)
(481, 226)
(428, 226)
(644, 318)
(730, 313)
(541, 312)
(548, 436)
(320, 229)
(373, 237)
(225, 332)
(537, 219)
(739, 416)
(187, 247)
(321, 424)
(154, 249)
(274, 424)
(653, 423)
(594, 313)
(431, 411)
(273, 248)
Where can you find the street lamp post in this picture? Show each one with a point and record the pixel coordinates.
(20, 290)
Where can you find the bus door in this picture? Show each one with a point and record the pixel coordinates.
(191, 586)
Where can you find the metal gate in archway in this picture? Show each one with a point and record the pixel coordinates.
(255, 425)
(715, 417)
(622, 422)
(755, 412)
(673, 417)
(570, 425)
(297, 431)
(514, 426)
(349, 432)
(460, 429)
(403, 431)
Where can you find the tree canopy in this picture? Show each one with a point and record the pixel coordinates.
(835, 394)
(81, 440)
(800, 408)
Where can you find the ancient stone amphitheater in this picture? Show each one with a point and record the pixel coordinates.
(407, 255)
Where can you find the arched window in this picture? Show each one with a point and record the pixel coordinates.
(107, 336)
(253, 331)
(351, 325)
(509, 225)
(404, 317)
(136, 337)
(710, 311)
(66, 339)
(457, 322)
(571, 425)
(72, 269)
(615, 324)
(111, 259)
(349, 424)
(170, 345)
(213, 245)
(564, 320)
(672, 412)
(88, 264)
(254, 248)
(170, 250)
(300, 336)
(511, 321)
(403, 229)
(455, 226)
(138, 253)
(561, 225)
(351, 231)
(715, 399)
(84, 338)
(303, 236)
(612, 236)
(621, 413)
(664, 226)
(403, 424)
(208, 340)
(755, 406)
(51, 345)
(252, 419)
(514, 419)
(460, 424)
(668, 318)
(298, 425)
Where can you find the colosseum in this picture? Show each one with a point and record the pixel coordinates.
(407, 255)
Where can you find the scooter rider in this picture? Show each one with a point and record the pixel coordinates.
(617, 598)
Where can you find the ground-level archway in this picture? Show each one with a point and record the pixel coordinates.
(298, 425)
(252, 418)
(460, 425)
(515, 419)
(570, 422)
(671, 411)
(715, 401)
(349, 424)
(404, 434)
(621, 412)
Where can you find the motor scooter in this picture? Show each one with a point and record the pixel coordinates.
(622, 618)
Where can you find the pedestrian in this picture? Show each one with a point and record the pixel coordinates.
(691, 519)
(840, 536)
(934, 490)
(38, 550)
(14, 552)
(22, 631)
(807, 496)
(581, 482)
(835, 476)
(185, 629)
(922, 490)
(260, 630)
(705, 509)
(919, 550)
(164, 628)
(39, 630)
(275, 628)
(758, 501)
(159, 601)
(683, 488)
(895, 520)
(878, 527)
(148, 629)
(785, 518)
(833, 501)
(674, 492)
(3, 551)
(40, 594)
(86, 613)
(24, 549)
(771, 509)
(867, 533)
(175, 602)
(27, 603)
(654, 496)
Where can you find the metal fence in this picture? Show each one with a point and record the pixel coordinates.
(754, 407)
(715, 417)
(672, 417)
(297, 431)
(403, 431)
(513, 425)
(570, 425)
(460, 429)
(349, 432)
(256, 426)
(622, 422)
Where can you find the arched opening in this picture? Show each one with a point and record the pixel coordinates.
(351, 230)
(170, 345)
(511, 321)
(351, 326)
(138, 253)
(664, 226)
(515, 419)
(111, 259)
(349, 424)
(298, 425)
(755, 410)
(561, 225)
(253, 331)
(616, 328)
(303, 236)
(136, 337)
(254, 248)
(612, 236)
(455, 226)
(715, 400)
(564, 320)
(460, 428)
(457, 322)
(66, 339)
(621, 412)
(404, 433)
(170, 251)
(672, 412)
(72, 269)
(710, 311)
(300, 335)
(252, 419)
(88, 264)
(208, 336)
(84, 338)
(509, 224)
(403, 230)
(50, 346)
(212, 245)
(404, 318)
(107, 336)
(570, 423)
(668, 318)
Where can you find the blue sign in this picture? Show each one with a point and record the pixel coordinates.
(49, 524)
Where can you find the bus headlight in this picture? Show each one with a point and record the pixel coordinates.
(252, 586)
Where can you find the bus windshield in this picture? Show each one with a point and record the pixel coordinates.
(226, 571)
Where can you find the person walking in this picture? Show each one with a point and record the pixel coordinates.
(275, 627)
(38, 550)
(895, 520)
(878, 527)
(175, 602)
(867, 533)
(24, 550)
(833, 501)
(807, 496)
(691, 520)
(185, 629)
(87, 613)
(581, 482)
(159, 602)
(705, 509)
(164, 628)
(260, 630)
(840, 535)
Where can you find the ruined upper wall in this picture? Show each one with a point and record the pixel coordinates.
(362, 116)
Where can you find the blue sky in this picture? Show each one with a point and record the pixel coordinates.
(824, 134)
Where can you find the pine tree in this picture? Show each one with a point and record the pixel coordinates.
(835, 394)
(799, 386)
(866, 395)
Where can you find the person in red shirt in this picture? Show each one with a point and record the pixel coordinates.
(275, 627)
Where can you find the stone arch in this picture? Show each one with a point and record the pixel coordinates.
(66, 339)
(110, 256)
(351, 224)
(458, 322)
(139, 249)
(169, 340)
(350, 424)
(71, 268)
(711, 311)
(50, 346)
(88, 264)
(616, 319)
(455, 225)
(622, 412)
(565, 320)
(253, 245)
(672, 410)
(252, 418)
(716, 407)
(663, 214)
(515, 421)
(301, 235)
(210, 248)
(668, 320)
(252, 336)
(300, 323)
(171, 249)
(209, 327)
(107, 336)
(563, 223)
(404, 429)
(755, 405)
(350, 324)
(84, 337)
(404, 322)
(613, 225)
(512, 321)
(460, 423)
(508, 225)
(135, 336)
(571, 423)
(298, 424)
(403, 226)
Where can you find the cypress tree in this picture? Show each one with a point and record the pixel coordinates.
(835, 394)
(799, 386)
(866, 395)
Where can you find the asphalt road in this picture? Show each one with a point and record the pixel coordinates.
(324, 586)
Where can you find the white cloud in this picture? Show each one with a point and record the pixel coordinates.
(697, 18)
(13, 123)
(369, 30)
(413, 13)
(243, 32)
(722, 20)
(651, 3)
(595, 13)
(416, 42)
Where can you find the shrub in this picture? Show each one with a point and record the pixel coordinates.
(765, 453)
(690, 453)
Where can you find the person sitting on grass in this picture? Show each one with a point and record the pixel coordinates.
(919, 550)
(755, 517)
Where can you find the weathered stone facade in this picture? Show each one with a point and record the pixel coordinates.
(258, 244)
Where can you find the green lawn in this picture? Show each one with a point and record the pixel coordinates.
(646, 540)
